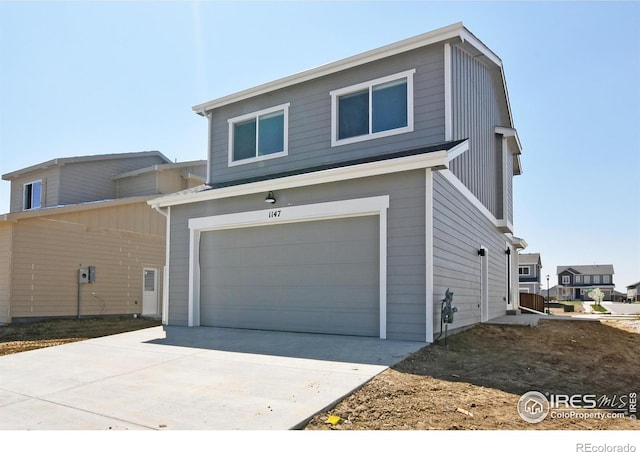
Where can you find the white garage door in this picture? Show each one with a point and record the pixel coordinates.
(314, 276)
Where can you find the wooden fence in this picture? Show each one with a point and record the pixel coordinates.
(532, 301)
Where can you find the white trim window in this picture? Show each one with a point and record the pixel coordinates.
(373, 109)
(577, 279)
(596, 279)
(586, 279)
(566, 279)
(523, 271)
(606, 279)
(32, 195)
(259, 135)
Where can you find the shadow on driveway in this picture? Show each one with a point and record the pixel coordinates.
(355, 349)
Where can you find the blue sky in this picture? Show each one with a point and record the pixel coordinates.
(82, 78)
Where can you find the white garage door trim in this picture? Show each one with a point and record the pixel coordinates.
(310, 212)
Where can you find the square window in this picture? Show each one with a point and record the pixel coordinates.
(258, 136)
(523, 271)
(606, 279)
(596, 279)
(373, 109)
(587, 279)
(566, 279)
(32, 195)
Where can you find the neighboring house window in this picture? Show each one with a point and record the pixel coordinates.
(524, 271)
(605, 279)
(259, 136)
(373, 109)
(577, 279)
(587, 279)
(32, 195)
(596, 279)
(566, 279)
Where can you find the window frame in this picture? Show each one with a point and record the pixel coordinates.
(522, 273)
(566, 279)
(24, 195)
(577, 279)
(596, 279)
(606, 279)
(368, 85)
(586, 279)
(256, 115)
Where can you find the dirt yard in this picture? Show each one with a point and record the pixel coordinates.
(475, 382)
(20, 337)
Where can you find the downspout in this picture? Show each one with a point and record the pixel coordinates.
(165, 272)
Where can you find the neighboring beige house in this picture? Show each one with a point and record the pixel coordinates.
(72, 215)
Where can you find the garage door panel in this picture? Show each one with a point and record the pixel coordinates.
(320, 276)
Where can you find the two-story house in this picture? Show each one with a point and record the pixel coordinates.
(348, 198)
(633, 294)
(529, 270)
(576, 281)
(81, 240)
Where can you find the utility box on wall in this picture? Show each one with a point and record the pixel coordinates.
(83, 275)
(87, 275)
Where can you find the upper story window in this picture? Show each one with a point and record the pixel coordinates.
(596, 279)
(373, 109)
(606, 279)
(566, 279)
(32, 195)
(524, 271)
(259, 136)
(577, 279)
(587, 279)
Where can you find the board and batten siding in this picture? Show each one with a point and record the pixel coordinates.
(48, 251)
(405, 242)
(309, 138)
(459, 230)
(5, 271)
(478, 106)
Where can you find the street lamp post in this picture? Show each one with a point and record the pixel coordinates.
(547, 294)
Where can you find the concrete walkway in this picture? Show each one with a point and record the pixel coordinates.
(188, 379)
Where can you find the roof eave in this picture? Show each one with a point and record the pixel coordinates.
(453, 31)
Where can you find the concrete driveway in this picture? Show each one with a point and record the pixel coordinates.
(188, 378)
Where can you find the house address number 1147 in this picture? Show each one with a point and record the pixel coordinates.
(274, 213)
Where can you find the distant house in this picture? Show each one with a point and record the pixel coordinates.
(529, 269)
(576, 281)
(72, 215)
(348, 198)
(633, 294)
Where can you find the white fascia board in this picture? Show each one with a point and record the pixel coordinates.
(442, 34)
(510, 132)
(436, 159)
(502, 225)
(457, 151)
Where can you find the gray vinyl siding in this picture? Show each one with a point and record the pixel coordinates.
(5, 271)
(50, 185)
(309, 139)
(405, 246)
(478, 106)
(459, 230)
(139, 185)
(92, 181)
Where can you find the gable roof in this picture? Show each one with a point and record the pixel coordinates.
(452, 33)
(606, 269)
(82, 159)
(634, 285)
(529, 259)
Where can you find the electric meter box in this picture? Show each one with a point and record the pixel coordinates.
(83, 275)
